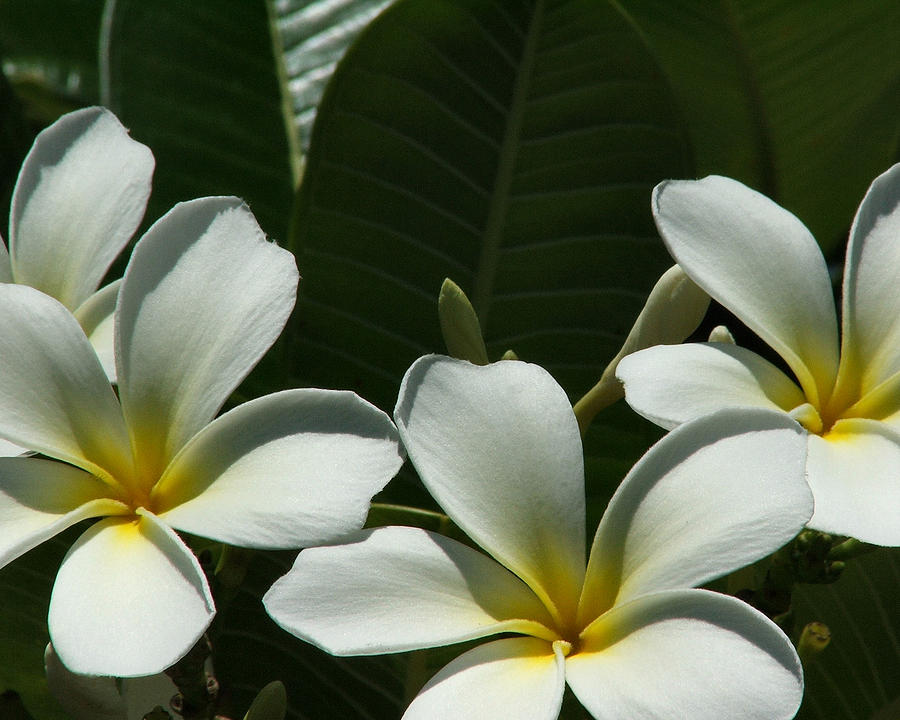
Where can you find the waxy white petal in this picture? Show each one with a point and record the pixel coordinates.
(8, 449)
(871, 320)
(686, 654)
(96, 315)
(712, 496)
(513, 679)
(499, 449)
(671, 384)
(130, 599)
(287, 470)
(54, 396)
(853, 473)
(203, 298)
(399, 588)
(40, 498)
(760, 262)
(80, 196)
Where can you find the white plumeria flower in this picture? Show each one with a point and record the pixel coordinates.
(499, 448)
(761, 263)
(203, 297)
(80, 195)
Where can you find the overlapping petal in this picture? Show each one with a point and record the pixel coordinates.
(515, 679)
(80, 196)
(83, 697)
(5, 267)
(853, 473)
(499, 448)
(203, 298)
(291, 469)
(686, 654)
(96, 315)
(671, 384)
(760, 262)
(54, 396)
(39, 498)
(130, 599)
(398, 588)
(743, 472)
(870, 353)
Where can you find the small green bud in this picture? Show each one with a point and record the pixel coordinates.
(459, 325)
(813, 640)
(269, 704)
(510, 355)
(721, 334)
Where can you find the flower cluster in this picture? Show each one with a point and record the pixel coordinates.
(111, 407)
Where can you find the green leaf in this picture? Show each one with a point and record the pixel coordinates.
(510, 146)
(797, 99)
(857, 677)
(199, 83)
(313, 35)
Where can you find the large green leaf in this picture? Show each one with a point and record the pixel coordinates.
(313, 35)
(857, 677)
(797, 99)
(199, 83)
(511, 146)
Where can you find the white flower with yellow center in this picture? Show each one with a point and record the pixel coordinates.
(761, 263)
(499, 448)
(203, 297)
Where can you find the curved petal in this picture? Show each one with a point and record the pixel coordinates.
(871, 320)
(686, 654)
(287, 470)
(8, 449)
(712, 496)
(514, 679)
(499, 448)
(853, 475)
(760, 262)
(83, 697)
(96, 315)
(54, 397)
(130, 599)
(398, 588)
(671, 384)
(203, 298)
(5, 267)
(79, 198)
(40, 498)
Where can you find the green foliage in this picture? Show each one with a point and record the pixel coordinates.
(509, 145)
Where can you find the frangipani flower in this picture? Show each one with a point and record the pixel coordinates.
(202, 299)
(79, 197)
(499, 448)
(761, 263)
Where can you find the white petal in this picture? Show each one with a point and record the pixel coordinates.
(499, 448)
(871, 319)
(5, 267)
(8, 449)
(203, 298)
(54, 396)
(79, 198)
(399, 588)
(513, 679)
(40, 498)
(760, 262)
(83, 697)
(671, 384)
(129, 599)
(854, 479)
(287, 470)
(686, 654)
(96, 315)
(712, 496)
